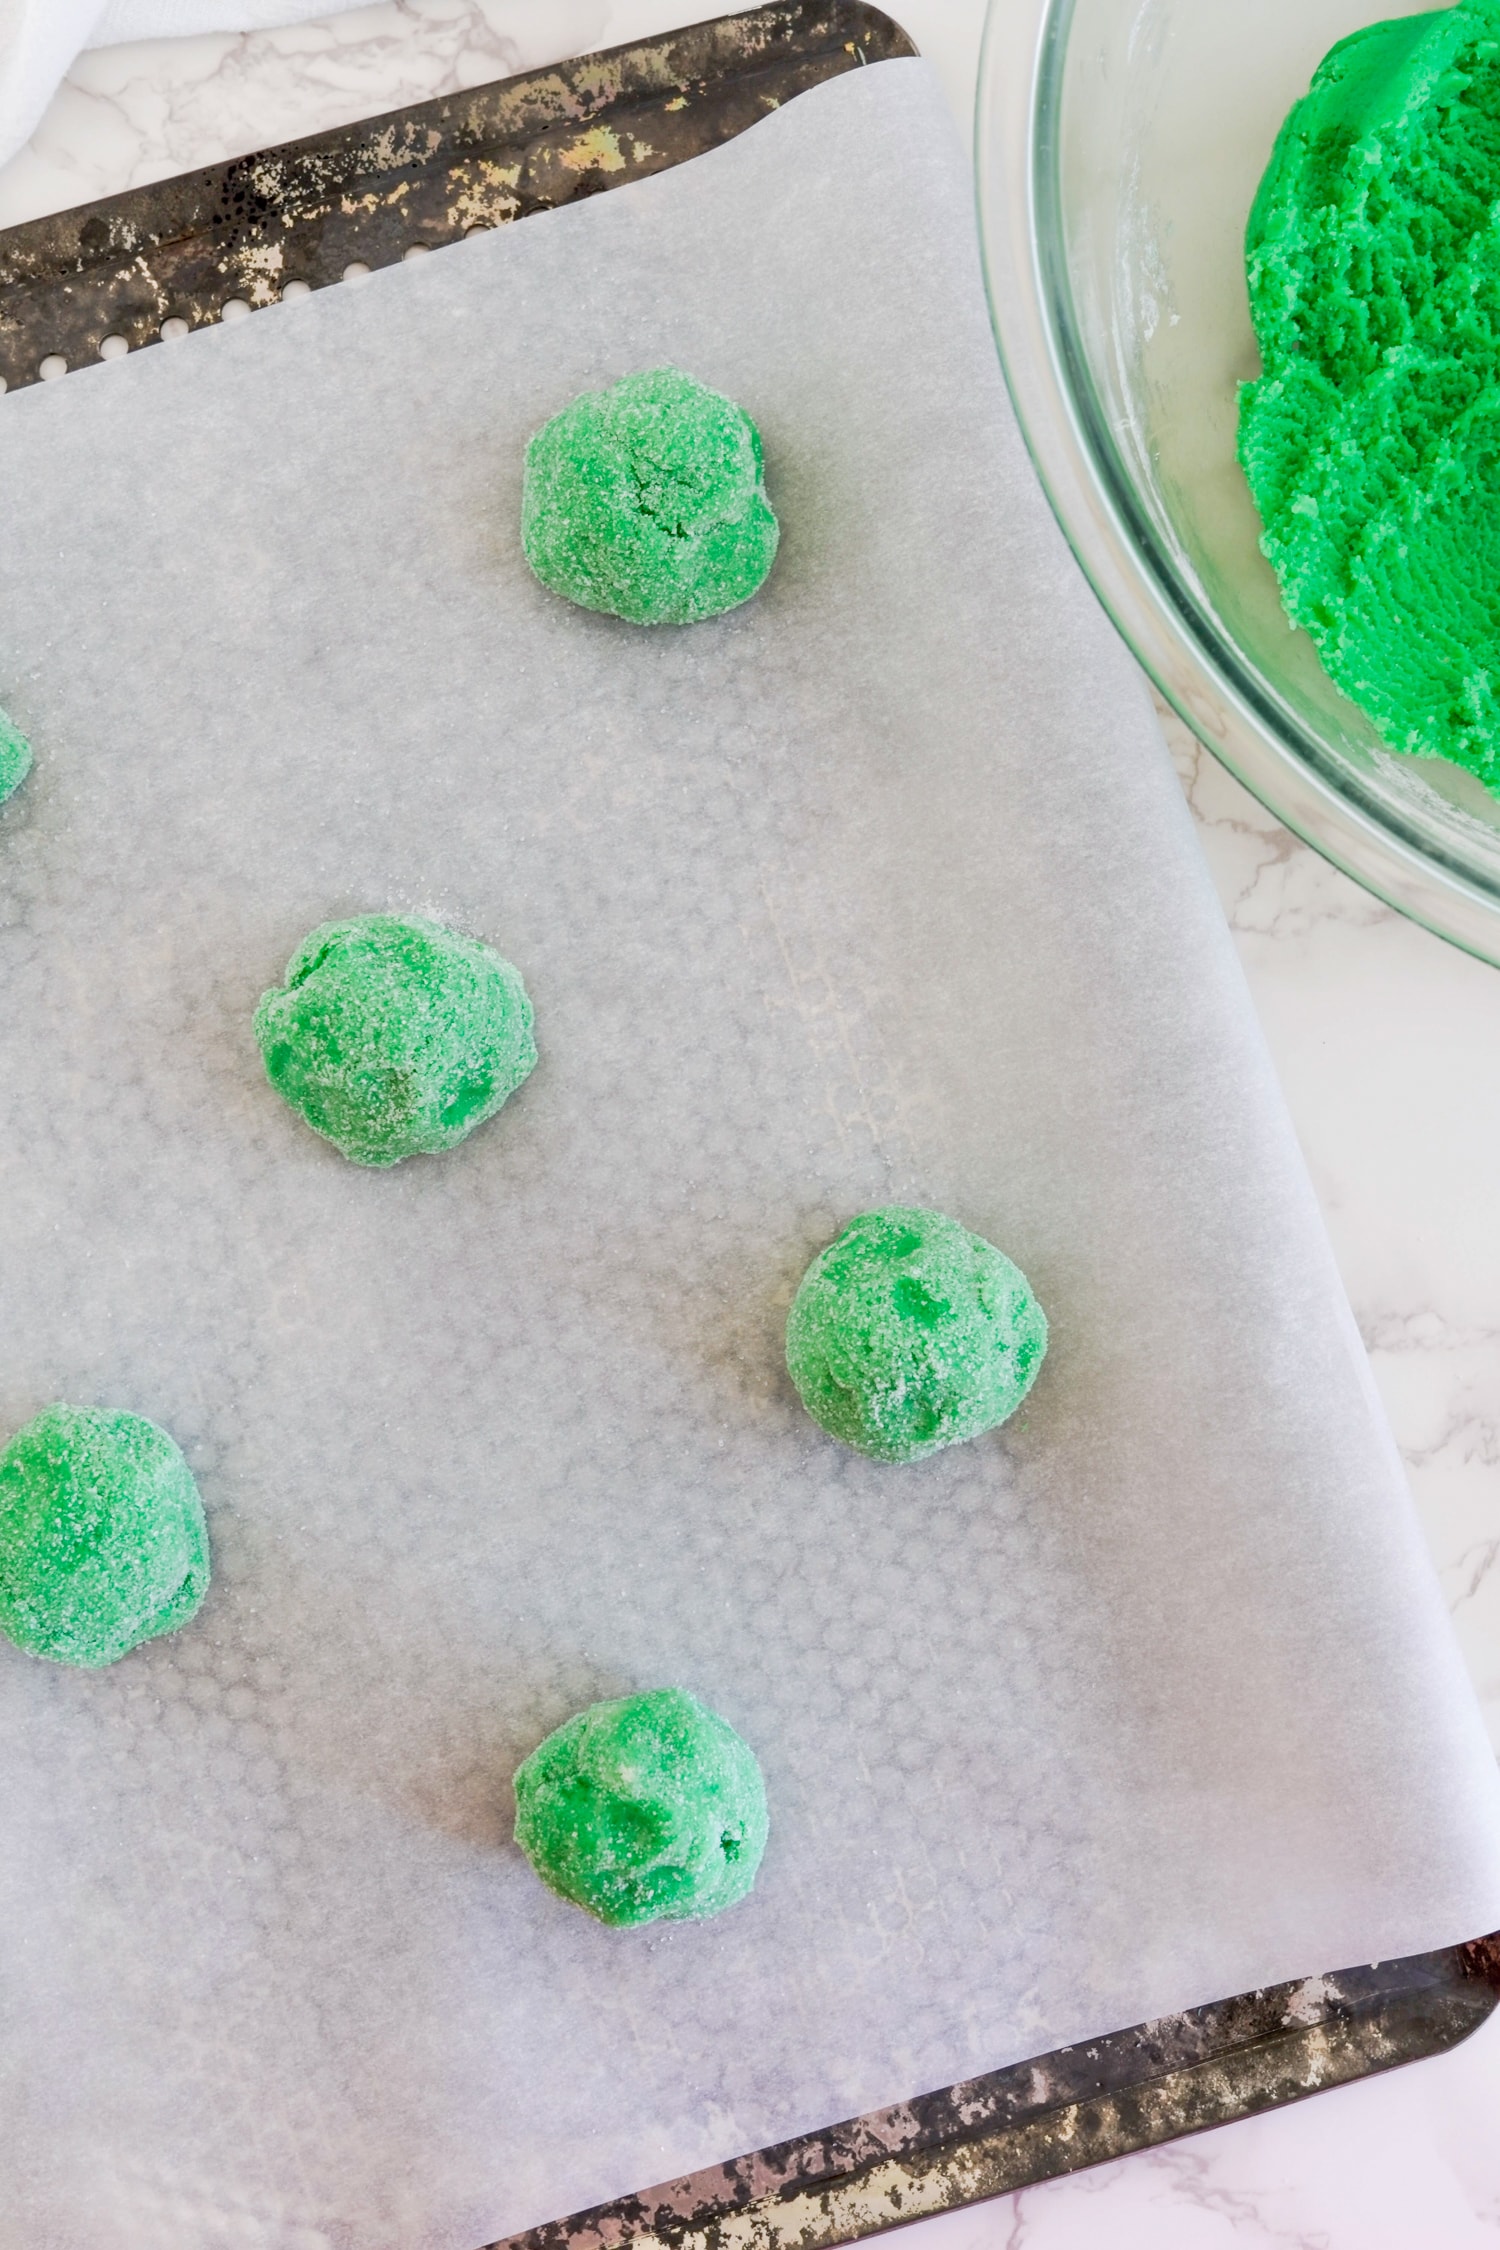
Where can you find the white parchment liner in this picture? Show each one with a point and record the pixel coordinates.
(880, 888)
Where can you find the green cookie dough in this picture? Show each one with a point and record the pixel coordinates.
(644, 1810)
(1372, 440)
(648, 500)
(15, 757)
(102, 1538)
(909, 1333)
(395, 1037)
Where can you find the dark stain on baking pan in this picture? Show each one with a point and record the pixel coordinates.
(237, 234)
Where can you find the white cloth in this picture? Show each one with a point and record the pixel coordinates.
(39, 39)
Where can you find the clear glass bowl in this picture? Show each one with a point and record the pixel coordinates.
(1120, 144)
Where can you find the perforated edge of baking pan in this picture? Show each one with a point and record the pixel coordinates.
(159, 261)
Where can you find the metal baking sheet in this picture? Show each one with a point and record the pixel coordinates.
(411, 180)
(1058, 2113)
(880, 887)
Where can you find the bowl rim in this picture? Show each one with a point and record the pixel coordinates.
(1192, 659)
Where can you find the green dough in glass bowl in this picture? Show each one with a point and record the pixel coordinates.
(644, 1810)
(395, 1037)
(102, 1538)
(15, 757)
(1370, 440)
(648, 500)
(909, 1333)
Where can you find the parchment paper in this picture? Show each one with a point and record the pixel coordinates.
(879, 888)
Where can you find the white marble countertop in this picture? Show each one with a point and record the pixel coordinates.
(1388, 1043)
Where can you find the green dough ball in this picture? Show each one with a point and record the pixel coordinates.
(396, 1037)
(649, 500)
(643, 1810)
(909, 1333)
(1372, 440)
(15, 757)
(102, 1538)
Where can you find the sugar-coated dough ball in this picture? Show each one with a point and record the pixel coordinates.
(644, 1810)
(649, 500)
(909, 1333)
(102, 1538)
(395, 1036)
(15, 757)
